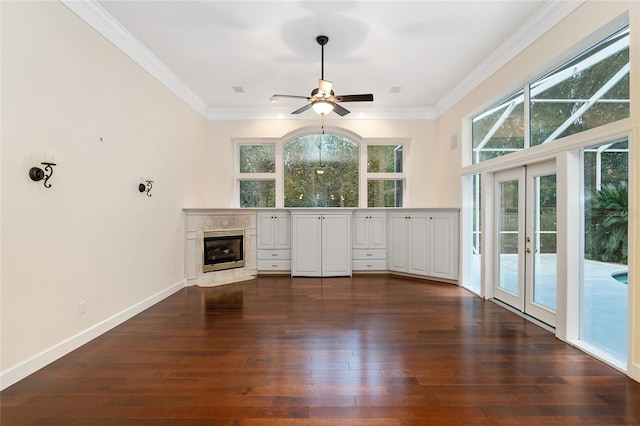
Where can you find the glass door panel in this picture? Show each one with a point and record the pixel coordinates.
(525, 219)
(541, 251)
(545, 265)
(509, 228)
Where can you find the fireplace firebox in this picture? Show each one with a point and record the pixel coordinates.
(223, 249)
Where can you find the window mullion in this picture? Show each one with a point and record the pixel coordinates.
(364, 176)
(279, 176)
(527, 116)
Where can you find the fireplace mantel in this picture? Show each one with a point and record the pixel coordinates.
(197, 222)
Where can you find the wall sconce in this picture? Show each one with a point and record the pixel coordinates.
(146, 188)
(37, 174)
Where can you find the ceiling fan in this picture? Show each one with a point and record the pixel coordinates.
(322, 98)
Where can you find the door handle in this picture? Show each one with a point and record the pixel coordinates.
(527, 250)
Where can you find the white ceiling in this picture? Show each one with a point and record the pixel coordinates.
(434, 51)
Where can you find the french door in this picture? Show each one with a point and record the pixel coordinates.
(525, 223)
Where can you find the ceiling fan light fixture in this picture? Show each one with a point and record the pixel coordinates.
(322, 107)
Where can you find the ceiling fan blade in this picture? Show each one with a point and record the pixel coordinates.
(291, 96)
(355, 98)
(340, 110)
(325, 86)
(303, 109)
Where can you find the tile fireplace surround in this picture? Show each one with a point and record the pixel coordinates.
(200, 220)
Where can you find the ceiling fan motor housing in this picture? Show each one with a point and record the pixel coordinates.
(322, 40)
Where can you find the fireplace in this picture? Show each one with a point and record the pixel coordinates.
(223, 249)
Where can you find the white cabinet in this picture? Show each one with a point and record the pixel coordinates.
(409, 233)
(424, 243)
(443, 249)
(369, 241)
(274, 241)
(321, 244)
(369, 230)
(274, 230)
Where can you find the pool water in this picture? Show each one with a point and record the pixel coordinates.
(623, 277)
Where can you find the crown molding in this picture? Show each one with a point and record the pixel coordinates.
(549, 16)
(370, 112)
(106, 25)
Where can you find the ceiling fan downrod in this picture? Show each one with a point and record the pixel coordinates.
(322, 40)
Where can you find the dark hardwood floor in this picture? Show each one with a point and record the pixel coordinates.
(368, 350)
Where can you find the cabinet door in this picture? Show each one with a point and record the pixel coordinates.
(282, 231)
(418, 245)
(444, 245)
(306, 245)
(265, 231)
(398, 248)
(360, 240)
(336, 245)
(377, 230)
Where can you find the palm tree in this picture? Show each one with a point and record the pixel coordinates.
(609, 217)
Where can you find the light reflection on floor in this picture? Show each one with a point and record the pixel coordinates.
(604, 312)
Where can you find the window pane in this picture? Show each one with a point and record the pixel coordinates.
(258, 158)
(384, 158)
(476, 235)
(545, 241)
(590, 90)
(257, 193)
(499, 130)
(321, 170)
(603, 321)
(384, 193)
(509, 234)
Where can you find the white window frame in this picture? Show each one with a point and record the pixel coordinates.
(255, 176)
(548, 74)
(278, 176)
(566, 153)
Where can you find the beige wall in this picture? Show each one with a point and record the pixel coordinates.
(424, 186)
(92, 237)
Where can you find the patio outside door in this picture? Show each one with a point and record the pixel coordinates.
(525, 258)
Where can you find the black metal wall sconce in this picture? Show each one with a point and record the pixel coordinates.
(37, 174)
(146, 188)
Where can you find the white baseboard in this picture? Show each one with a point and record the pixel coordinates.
(18, 372)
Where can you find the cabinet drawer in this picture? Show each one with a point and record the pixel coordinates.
(369, 254)
(274, 265)
(369, 265)
(274, 254)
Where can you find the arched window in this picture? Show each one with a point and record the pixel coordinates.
(321, 170)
